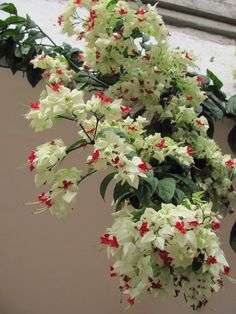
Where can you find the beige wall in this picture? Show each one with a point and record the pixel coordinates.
(57, 267)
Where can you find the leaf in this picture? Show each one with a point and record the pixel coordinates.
(15, 20)
(232, 239)
(166, 189)
(111, 3)
(216, 112)
(217, 82)
(104, 184)
(188, 182)
(231, 105)
(179, 196)
(9, 8)
(34, 75)
(75, 145)
(232, 139)
(121, 191)
(11, 33)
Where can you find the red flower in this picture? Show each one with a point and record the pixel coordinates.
(180, 226)
(134, 98)
(103, 97)
(200, 80)
(193, 224)
(143, 166)
(161, 144)
(86, 67)
(98, 55)
(226, 270)
(91, 131)
(95, 156)
(187, 56)
(147, 57)
(143, 229)
(59, 72)
(130, 301)
(189, 150)
(105, 239)
(189, 98)
(77, 1)
(112, 271)
(66, 184)
(31, 159)
(113, 242)
(199, 122)
(164, 255)
(211, 260)
(45, 200)
(230, 163)
(149, 91)
(123, 12)
(46, 74)
(140, 11)
(80, 57)
(60, 20)
(117, 37)
(132, 128)
(125, 109)
(215, 225)
(116, 160)
(35, 105)
(220, 282)
(57, 86)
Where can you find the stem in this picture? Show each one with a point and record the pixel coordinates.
(48, 37)
(86, 175)
(89, 75)
(66, 117)
(91, 140)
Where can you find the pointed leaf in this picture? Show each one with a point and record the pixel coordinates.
(104, 184)
(9, 8)
(166, 189)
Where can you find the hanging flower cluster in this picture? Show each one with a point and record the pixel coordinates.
(172, 251)
(143, 119)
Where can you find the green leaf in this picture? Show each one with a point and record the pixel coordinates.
(104, 184)
(10, 33)
(15, 20)
(121, 191)
(179, 196)
(231, 105)
(232, 239)
(33, 75)
(188, 182)
(166, 189)
(111, 3)
(232, 139)
(216, 112)
(9, 8)
(75, 145)
(217, 82)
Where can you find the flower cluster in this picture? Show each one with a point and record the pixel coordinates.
(146, 123)
(172, 251)
(61, 197)
(56, 69)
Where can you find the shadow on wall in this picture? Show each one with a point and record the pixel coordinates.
(57, 267)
